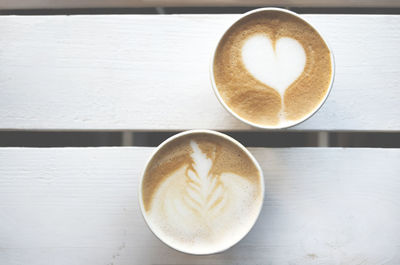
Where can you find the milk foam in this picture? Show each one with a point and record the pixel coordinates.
(196, 211)
(276, 66)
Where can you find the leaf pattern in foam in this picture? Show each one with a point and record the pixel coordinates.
(205, 194)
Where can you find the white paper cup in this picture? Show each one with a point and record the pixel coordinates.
(286, 125)
(223, 136)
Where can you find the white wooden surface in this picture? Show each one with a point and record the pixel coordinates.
(46, 4)
(150, 72)
(79, 206)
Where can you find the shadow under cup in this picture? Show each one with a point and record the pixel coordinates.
(201, 192)
(271, 69)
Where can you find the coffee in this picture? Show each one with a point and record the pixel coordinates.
(272, 68)
(201, 193)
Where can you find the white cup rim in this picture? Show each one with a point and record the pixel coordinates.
(297, 122)
(142, 210)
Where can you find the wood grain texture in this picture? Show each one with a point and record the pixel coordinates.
(52, 4)
(151, 72)
(79, 206)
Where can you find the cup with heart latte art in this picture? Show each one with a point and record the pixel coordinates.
(201, 192)
(271, 69)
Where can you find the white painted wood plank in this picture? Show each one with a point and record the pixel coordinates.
(150, 72)
(79, 206)
(46, 4)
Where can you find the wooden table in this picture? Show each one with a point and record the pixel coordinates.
(150, 73)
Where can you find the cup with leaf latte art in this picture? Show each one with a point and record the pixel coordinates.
(201, 192)
(272, 69)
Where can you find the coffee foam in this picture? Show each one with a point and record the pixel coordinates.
(291, 87)
(201, 193)
(277, 66)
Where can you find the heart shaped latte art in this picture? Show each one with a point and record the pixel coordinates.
(277, 68)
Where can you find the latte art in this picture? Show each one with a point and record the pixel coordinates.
(277, 67)
(201, 193)
(272, 68)
(204, 194)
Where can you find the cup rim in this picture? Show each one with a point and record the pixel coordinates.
(238, 144)
(297, 122)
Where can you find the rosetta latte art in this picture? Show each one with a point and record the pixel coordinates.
(206, 201)
(204, 193)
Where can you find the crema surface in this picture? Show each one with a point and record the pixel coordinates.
(272, 68)
(201, 193)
